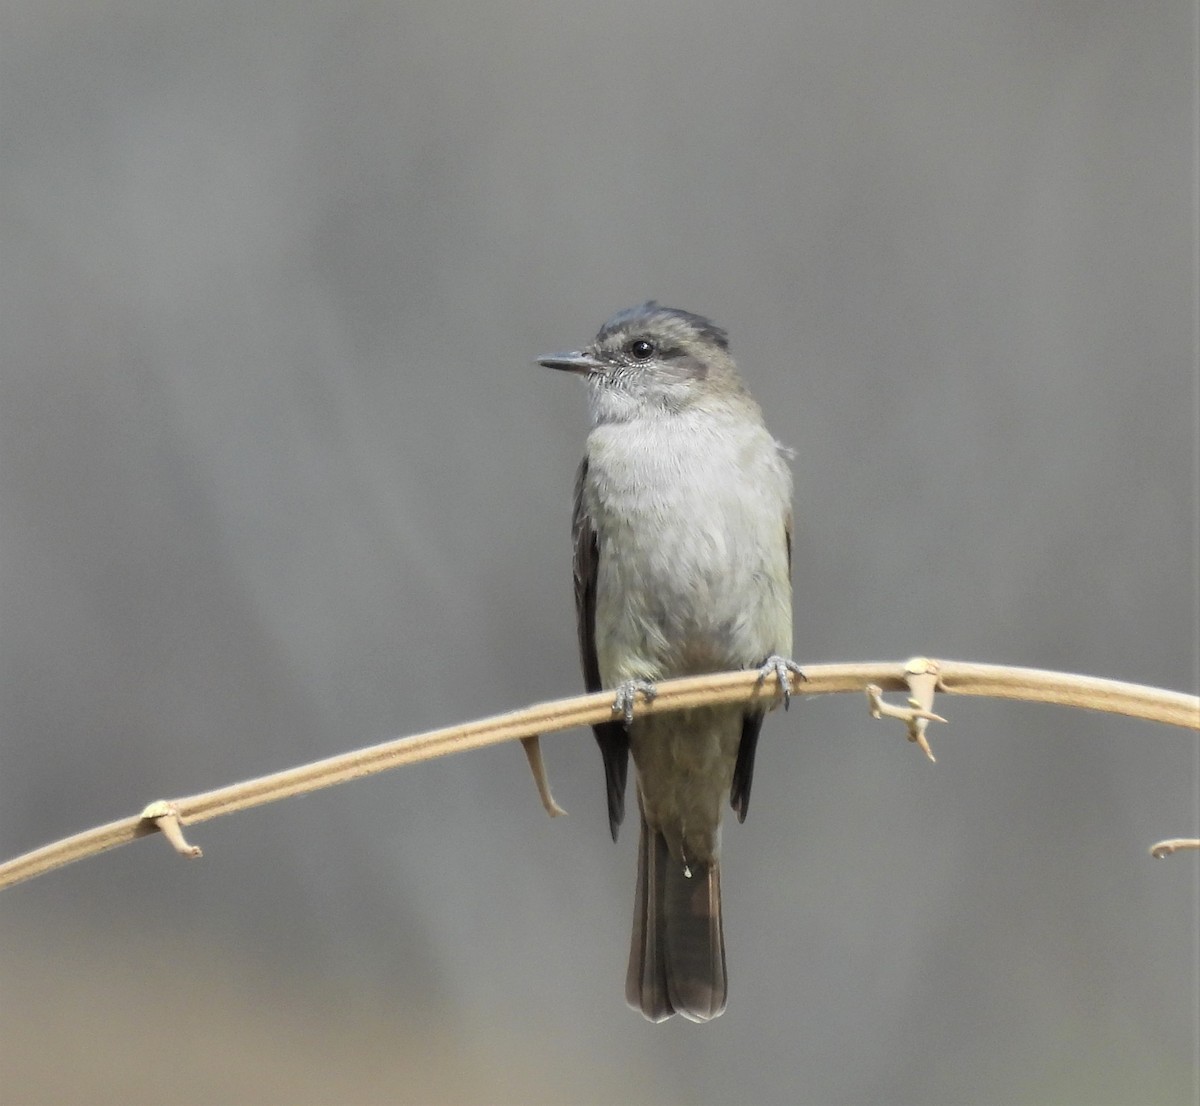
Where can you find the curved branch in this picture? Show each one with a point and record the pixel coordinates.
(1036, 685)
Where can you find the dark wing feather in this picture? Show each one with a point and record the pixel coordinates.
(743, 769)
(610, 736)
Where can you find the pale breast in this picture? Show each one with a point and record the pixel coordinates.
(690, 515)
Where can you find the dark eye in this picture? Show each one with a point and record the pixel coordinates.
(640, 349)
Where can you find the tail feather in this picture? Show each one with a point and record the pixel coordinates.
(677, 956)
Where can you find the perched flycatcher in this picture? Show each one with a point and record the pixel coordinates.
(682, 566)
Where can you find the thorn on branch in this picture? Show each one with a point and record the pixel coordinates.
(166, 818)
(533, 753)
(921, 674)
(1166, 848)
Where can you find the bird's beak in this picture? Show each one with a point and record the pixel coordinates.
(582, 363)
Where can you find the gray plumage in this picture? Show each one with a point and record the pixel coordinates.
(682, 566)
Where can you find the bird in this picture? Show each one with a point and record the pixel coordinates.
(682, 566)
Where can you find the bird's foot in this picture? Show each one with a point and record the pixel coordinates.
(783, 669)
(627, 694)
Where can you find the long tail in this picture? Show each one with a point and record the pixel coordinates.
(677, 957)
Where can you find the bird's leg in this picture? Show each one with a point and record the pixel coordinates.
(783, 669)
(627, 694)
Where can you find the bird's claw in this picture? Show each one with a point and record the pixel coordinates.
(783, 669)
(626, 696)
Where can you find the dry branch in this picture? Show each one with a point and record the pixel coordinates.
(1034, 685)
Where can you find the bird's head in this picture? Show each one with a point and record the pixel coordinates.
(651, 359)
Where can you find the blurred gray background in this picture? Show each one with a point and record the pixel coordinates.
(278, 478)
